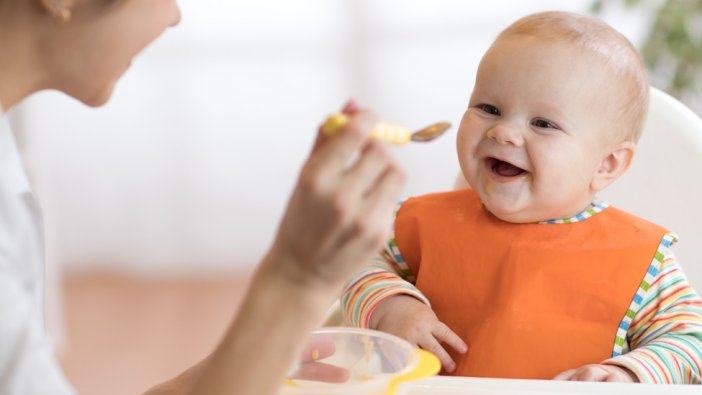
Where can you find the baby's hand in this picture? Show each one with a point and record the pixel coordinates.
(414, 321)
(596, 372)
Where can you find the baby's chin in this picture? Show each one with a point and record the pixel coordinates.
(516, 211)
(510, 208)
(528, 215)
(514, 217)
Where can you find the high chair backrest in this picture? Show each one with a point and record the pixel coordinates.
(664, 183)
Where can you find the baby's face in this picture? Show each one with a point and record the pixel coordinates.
(539, 124)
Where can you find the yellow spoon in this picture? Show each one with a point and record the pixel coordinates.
(387, 132)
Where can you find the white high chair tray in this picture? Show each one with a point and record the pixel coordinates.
(482, 386)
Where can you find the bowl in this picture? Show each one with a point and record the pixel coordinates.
(341, 360)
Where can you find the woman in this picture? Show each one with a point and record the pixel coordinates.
(336, 218)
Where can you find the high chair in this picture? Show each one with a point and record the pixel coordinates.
(662, 184)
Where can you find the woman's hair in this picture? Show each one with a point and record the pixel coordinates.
(596, 37)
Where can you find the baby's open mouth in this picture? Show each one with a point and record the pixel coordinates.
(503, 169)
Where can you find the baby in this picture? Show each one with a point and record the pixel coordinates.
(528, 274)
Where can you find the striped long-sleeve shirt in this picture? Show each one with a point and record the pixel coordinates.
(659, 338)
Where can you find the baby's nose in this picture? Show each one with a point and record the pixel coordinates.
(506, 134)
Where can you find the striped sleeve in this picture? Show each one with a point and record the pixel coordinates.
(664, 337)
(385, 276)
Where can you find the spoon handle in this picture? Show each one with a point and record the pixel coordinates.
(393, 134)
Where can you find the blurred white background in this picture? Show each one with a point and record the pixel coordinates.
(189, 166)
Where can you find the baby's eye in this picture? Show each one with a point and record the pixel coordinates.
(542, 123)
(486, 108)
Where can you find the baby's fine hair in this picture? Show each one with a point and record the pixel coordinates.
(600, 39)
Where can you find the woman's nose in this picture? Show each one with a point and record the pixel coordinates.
(503, 133)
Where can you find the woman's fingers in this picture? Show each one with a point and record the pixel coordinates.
(319, 347)
(377, 193)
(335, 153)
(341, 208)
(350, 108)
(381, 199)
(366, 173)
(366, 186)
(319, 371)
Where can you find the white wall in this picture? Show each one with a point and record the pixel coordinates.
(189, 167)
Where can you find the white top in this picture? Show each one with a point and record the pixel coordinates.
(27, 363)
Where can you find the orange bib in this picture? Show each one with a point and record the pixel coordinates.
(531, 300)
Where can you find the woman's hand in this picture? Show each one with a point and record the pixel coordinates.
(338, 216)
(341, 210)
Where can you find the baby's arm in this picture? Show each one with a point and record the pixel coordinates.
(380, 280)
(382, 297)
(665, 335)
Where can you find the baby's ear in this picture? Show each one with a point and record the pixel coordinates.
(613, 165)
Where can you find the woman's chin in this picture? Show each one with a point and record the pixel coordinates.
(99, 98)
